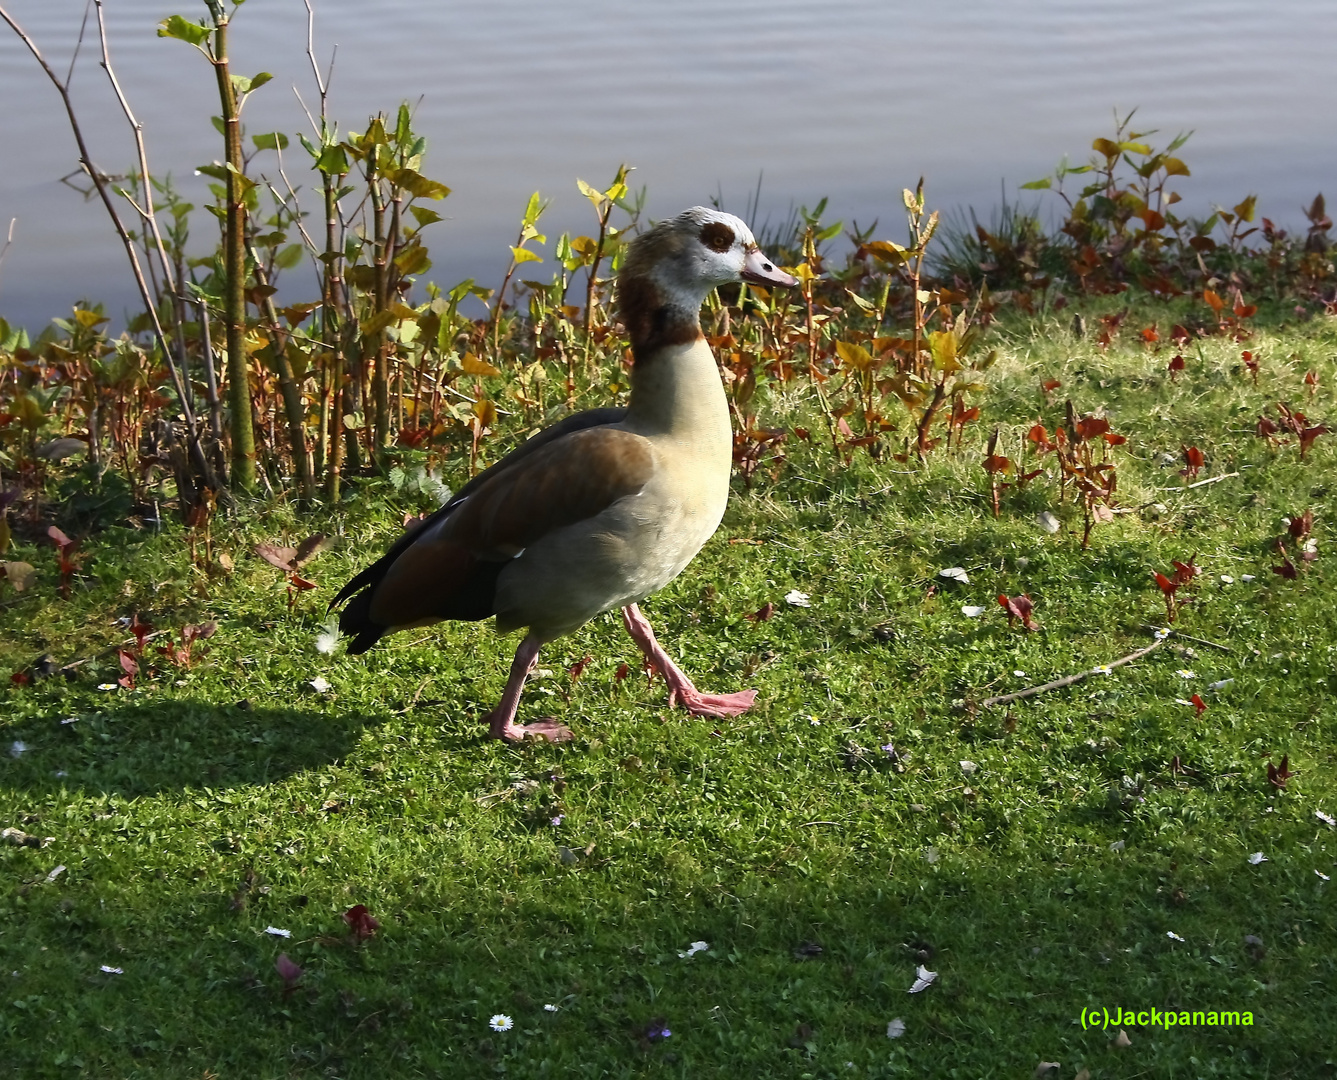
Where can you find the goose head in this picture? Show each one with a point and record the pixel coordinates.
(671, 269)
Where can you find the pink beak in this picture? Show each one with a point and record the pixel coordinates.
(759, 270)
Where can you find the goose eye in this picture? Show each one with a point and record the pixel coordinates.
(717, 236)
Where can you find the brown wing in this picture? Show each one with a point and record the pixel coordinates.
(570, 480)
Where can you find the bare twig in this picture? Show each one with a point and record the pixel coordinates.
(9, 240)
(100, 183)
(1201, 483)
(1068, 680)
(1186, 637)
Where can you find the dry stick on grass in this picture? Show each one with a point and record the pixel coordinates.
(1202, 483)
(1068, 680)
(100, 183)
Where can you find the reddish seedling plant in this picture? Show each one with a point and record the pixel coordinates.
(1311, 382)
(1170, 586)
(185, 654)
(69, 559)
(1287, 568)
(1278, 775)
(762, 614)
(292, 559)
(289, 971)
(994, 464)
(1175, 366)
(1199, 706)
(1193, 462)
(577, 669)
(1019, 608)
(1250, 364)
(1295, 423)
(130, 666)
(1094, 481)
(361, 923)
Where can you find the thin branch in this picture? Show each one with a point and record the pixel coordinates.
(1201, 483)
(1186, 637)
(1068, 680)
(99, 182)
(9, 240)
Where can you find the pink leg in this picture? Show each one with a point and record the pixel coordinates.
(681, 690)
(501, 720)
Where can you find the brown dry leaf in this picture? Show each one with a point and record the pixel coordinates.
(1122, 1040)
(312, 546)
(277, 555)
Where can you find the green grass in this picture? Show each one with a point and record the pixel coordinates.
(205, 806)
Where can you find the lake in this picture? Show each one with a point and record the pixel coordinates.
(848, 99)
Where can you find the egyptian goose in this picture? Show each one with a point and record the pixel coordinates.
(604, 507)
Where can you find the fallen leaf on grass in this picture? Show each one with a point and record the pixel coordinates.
(19, 574)
(1121, 1040)
(289, 971)
(896, 1028)
(797, 599)
(955, 573)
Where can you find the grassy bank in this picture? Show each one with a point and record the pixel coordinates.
(1088, 846)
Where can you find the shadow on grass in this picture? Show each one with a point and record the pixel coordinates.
(801, 976)
(170, 745)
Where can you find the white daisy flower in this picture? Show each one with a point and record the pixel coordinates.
(1102, 669)
(1185, 673)
(275, 931)
(972, 611)
(1256, 858)
(1173, 936)
(797, 599)
(501, 1022)
(550, 1008)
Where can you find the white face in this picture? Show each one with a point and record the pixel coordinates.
(715, 248)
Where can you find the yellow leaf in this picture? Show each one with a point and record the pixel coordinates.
(471, 365)
(596, 197)
(943, 345)
(889, 252)
(524, 255)
(485, 411)
(854, 356)
(803, 272)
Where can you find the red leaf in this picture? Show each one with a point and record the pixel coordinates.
(62, 541)
(1114, 439)
(1088, 427)
(761, 614)
(128, 663)
(578, 668)
(1199, 705)
(1301, 525)
(1166, 585)
(622, 672)
(1149, 334)
(1019, 607)
(1264, 429)
(141, 629)
(1040, 437)
(1176, 365)
(1277, 777)
(21, 678)
(1185, 572)
(288, 971)
(1286, 569)
(361, 922)
(1307, 437)
(1050, 385)
(300, 583)
(996, 463)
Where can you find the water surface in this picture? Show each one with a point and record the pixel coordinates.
(850, 99)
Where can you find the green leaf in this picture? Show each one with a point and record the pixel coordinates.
(424, 215)
(413, 260)
(217, 171)
(260, 79)
(332, 160)
(218, 124)
(274, 140)
(1037, 185)
(289, 257)
(183, 30)
(419, 186)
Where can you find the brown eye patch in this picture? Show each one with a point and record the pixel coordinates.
(717, 236)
